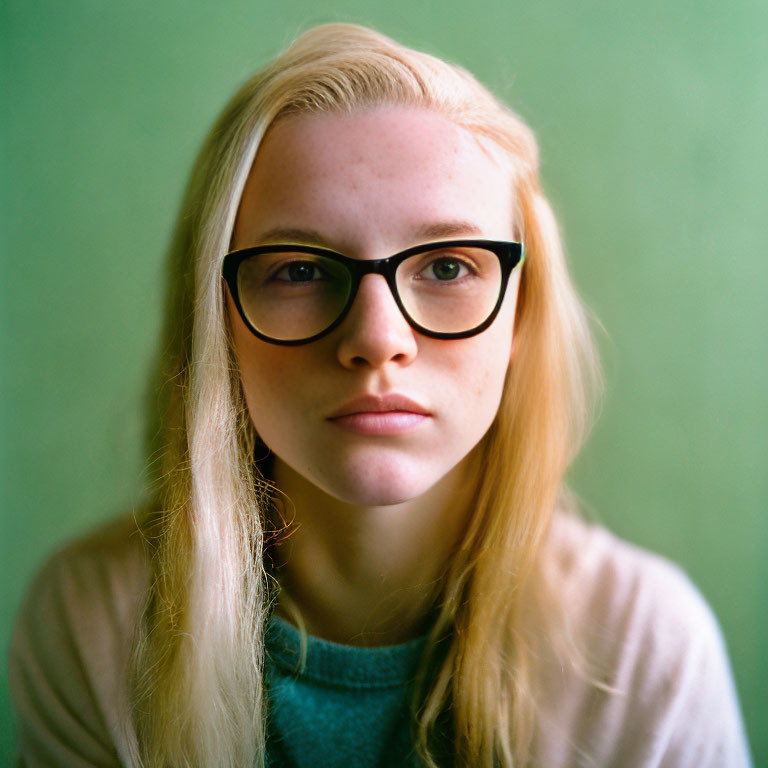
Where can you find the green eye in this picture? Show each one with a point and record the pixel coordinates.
(445, 269)
(300, 272)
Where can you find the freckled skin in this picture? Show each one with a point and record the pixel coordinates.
(367, 182)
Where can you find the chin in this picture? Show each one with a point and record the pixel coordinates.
(379, 485)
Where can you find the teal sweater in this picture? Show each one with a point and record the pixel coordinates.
(349, 706)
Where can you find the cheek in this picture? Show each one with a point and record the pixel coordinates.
(266, 372)
(485, 369)
(270, 382)
(475, 376)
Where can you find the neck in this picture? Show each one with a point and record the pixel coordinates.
(368, 575)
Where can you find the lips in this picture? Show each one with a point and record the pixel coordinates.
(379, 404)
(391, 414)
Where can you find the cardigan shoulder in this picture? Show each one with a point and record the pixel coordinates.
(70, 651)
(655, 686)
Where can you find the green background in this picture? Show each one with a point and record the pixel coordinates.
(652, 119)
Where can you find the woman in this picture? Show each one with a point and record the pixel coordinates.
(376, 371)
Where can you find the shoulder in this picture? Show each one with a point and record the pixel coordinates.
(623, 588)
(96, 579)
(71, 648)
(660, 691)
(111, 550)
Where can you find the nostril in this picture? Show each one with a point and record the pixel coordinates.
(361, 361)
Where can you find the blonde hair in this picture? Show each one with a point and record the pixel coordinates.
(197, 669)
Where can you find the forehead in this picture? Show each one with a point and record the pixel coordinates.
(386, 171)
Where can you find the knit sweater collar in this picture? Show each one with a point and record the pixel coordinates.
(346, 666)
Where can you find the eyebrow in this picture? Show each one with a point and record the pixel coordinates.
(292, 235)
(449, 229)
(438, 230)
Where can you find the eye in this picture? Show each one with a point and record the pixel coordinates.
(444, 268)
(299, 272)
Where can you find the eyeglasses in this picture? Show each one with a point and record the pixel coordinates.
(295, 294)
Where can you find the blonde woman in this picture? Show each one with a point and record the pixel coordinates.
(375, 371)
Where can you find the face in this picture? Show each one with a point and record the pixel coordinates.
(374, 413)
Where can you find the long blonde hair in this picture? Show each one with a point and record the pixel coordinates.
(197, 669)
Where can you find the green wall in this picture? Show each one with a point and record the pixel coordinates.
(652, 121)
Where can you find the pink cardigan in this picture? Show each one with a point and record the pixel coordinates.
(655, 637)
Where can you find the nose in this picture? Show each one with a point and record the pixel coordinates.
(375, 331)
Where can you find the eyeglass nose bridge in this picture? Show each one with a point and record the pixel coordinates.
(385, 267)
(362, 267)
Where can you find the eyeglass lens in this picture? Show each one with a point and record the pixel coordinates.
(291, 296)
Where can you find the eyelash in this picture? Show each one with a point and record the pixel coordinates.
(429, 260)
(275, 275)
(461, 262)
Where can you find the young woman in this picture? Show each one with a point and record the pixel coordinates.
(375, 373)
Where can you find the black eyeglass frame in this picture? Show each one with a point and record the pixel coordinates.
(510, 254)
